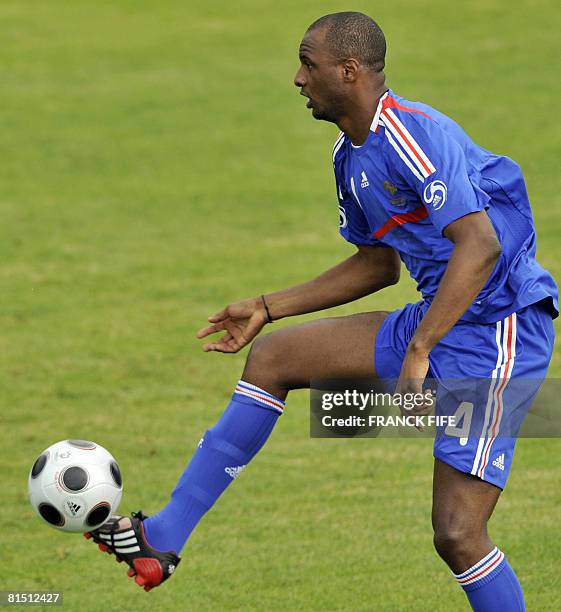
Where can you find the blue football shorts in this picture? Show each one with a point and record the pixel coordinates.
(486, 376)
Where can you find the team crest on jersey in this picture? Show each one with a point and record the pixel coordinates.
(390, 187)
(435, 194)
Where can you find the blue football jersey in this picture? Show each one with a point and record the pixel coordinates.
(416, 173)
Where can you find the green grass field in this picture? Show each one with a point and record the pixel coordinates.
(157, 163)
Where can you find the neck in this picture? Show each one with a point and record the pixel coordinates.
(359, 116)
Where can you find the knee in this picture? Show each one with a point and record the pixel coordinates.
(264, 351)
(265, 359)
(449, 540)
(455, 540)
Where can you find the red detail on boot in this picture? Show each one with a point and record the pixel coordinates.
(130, 573)
(87, 535)
(102, 547)
(149, 570)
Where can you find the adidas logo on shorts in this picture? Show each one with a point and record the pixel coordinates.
(499, 462)
(234, 472)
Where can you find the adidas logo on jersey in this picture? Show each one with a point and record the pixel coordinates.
(364, 182)
(499, 462)
(234, 472)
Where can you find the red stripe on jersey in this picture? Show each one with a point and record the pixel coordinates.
(390, 102)
(409, 217)
(412, 150)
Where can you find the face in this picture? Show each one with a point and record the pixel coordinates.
(320, 78)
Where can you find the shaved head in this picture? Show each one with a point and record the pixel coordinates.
(353, 35)
(342, 58)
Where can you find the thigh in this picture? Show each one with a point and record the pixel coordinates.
(462, 506)
(460, 498)
(337, 347)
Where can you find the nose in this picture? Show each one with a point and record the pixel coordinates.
(299, 80)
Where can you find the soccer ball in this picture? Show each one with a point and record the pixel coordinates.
(75, 485)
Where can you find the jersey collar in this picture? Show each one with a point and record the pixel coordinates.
(376, 119)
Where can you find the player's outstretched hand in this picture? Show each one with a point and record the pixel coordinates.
(241, 321)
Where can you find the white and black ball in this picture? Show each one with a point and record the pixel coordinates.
(75, 485)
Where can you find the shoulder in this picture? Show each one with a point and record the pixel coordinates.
(415, 114)
(410, 134)
(410, 120)
(431, 129)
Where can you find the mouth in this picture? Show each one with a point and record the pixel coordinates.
(309, 103)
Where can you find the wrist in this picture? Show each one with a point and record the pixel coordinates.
(265, 306)
(418, 348)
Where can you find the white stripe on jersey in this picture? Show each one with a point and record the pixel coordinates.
(413, 143)
(405, 146)
(376, 120)
(401, 153)
(338, 144)
(354, 192)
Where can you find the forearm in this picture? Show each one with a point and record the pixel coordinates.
(469, 268)
(356, 277)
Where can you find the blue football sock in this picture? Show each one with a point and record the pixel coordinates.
(222, 454)
(492, 586)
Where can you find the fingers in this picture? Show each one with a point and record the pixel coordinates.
(210, 329)
(217, 321)
(413, 413)
(219, 316)
(244, 334)
(226, 344)
(236, 337)
(240, 326)
(219, 347)
(418, 411)
(413, 401)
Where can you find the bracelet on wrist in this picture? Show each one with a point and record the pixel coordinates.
(269, 318)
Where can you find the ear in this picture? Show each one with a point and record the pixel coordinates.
(350, 70)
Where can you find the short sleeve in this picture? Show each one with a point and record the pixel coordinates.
(434, 165)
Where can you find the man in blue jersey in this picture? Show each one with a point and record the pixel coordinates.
(412, 186)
